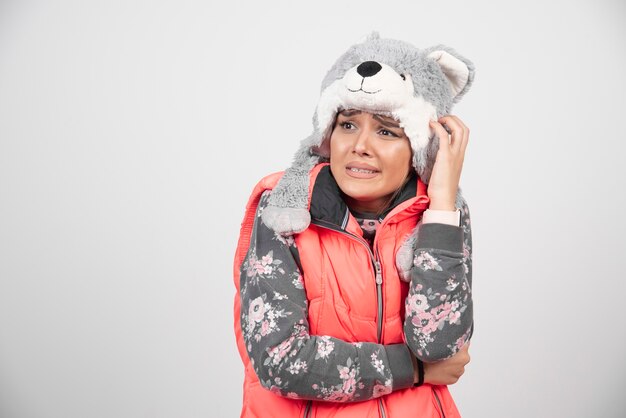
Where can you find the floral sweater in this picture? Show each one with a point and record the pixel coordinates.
(291, 362)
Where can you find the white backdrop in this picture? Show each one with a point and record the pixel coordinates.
(131, 133)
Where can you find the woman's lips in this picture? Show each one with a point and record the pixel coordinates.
(359, 173)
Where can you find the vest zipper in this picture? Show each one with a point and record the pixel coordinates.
(379, 287)
(438, 403)
(307, 409)
(381, 408)
(378, 276)
(379, 296)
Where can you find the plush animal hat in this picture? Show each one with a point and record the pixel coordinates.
(384, 76)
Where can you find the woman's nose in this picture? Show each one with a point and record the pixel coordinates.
(362, 145)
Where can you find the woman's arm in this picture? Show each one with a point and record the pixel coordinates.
(286, 358)
(439, 310)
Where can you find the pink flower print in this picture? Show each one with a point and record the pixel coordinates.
(417, 303)
(451, 284)
(279, 352)
(324, 347)
(442, 311)
(349, 386)
(266, 259)
(257, 309)
(430, 327)
(336, 396)
(420, 317)
(297, 366)
(454, 305)
(380, 390)
(454, 317)
(377, 363)
(252, 268)
(349, 382)
(300, 330)
(344, 373)
(265, 327)
(259, 268)
(425, 261)
(282, 352)
(460, 342)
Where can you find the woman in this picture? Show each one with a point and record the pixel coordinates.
(326, 322)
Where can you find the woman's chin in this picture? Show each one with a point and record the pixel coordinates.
(360, 194)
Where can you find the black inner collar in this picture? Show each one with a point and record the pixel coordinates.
(328, 206)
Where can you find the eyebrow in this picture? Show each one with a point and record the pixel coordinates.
(390, 123)
(350, 112)
(386, 122)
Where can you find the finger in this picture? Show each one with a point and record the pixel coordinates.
(459, 121)
(442, 134)
(453, 129)
(457, 131)
(466, 133)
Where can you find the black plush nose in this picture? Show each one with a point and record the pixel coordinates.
(368, 68)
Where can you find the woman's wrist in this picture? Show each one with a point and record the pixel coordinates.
(441, 205)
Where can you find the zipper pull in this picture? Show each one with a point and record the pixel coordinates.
(379, 274)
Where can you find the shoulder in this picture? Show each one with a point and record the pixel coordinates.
(265, 184)
(269, 181)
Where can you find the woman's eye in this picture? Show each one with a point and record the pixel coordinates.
(385, 132)
(346, 125)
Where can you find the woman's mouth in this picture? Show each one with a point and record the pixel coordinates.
(361, 172)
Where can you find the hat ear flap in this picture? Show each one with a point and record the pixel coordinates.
(287, 212)
(458, 70)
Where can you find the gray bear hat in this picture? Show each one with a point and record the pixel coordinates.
(384, 76)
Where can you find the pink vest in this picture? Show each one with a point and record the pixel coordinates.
(356, 310)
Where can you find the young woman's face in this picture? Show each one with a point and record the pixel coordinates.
(370, 156)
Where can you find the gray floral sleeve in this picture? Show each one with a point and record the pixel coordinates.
(439, 318)
(286, 358)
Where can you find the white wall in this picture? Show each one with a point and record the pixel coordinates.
(131, 133)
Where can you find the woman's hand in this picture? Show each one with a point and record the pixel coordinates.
(444, 180)
(447, 372)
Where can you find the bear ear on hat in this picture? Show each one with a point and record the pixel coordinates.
(373, 35)
(458, 70)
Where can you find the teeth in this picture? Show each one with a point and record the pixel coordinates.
(361, 170)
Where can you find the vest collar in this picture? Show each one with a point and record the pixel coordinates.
(328, 208)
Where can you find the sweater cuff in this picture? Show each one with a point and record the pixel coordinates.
(401, 365)
(441, 237)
